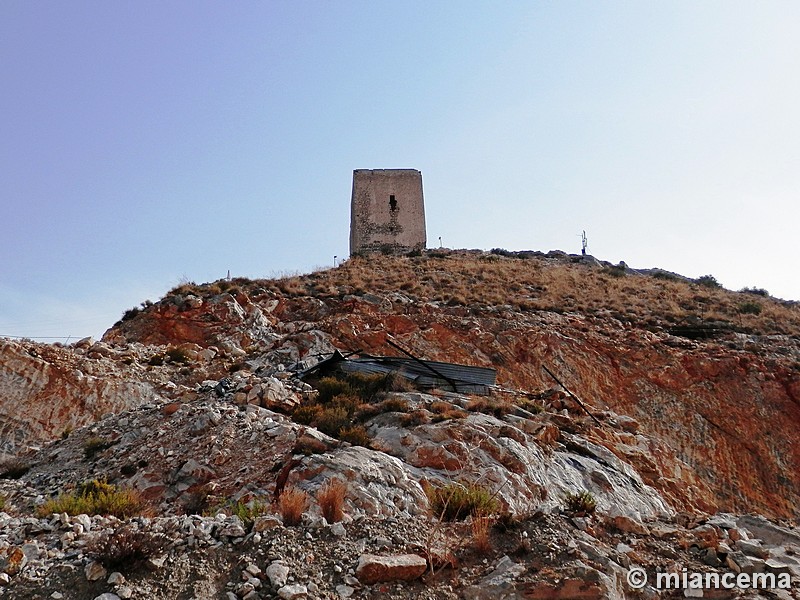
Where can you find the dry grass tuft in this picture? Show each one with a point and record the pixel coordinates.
(330, 498)
(291, 505)
(481, 528)
(457, 501)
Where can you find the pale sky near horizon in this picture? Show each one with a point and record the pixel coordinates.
(145, 143)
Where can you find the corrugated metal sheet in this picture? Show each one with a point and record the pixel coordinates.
(425, 374)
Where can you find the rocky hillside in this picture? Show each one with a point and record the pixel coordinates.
(713, 374)
(192, 405)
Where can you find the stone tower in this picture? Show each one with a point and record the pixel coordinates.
(387, 213)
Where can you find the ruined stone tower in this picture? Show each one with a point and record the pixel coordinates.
(387, 212)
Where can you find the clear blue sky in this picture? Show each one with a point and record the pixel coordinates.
(144, 143)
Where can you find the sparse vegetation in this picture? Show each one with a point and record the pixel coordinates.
(330, 498)
(417, 417)
(356, 435)
(750, 308)
(292, 503)
(481, 529)
(616, 270)
(14, 468)
(178, 355)
(582, 503)
(94, 445)
(491, 406)
(444, 411)
(126, 548)
(342, 402)
(708, 281)
(755, 291)
(248, 512)
(457, 501)
(97, 497)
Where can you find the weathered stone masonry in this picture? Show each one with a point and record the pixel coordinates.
(387, 211)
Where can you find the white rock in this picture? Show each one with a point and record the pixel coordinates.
(293, 592)
(278, 574)
(107, 596)
(85, 521)
(344, 591)
(125, 592)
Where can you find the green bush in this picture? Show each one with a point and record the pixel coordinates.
(130, 314)
(664, 275)
(457, 501)
(750, 308)
(755, 291)
(581, 503)
(708, 281)
(332, 420)
(96, 497)
(330, 387)
(616, 270)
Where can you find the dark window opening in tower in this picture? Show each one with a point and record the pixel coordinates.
(392, 203)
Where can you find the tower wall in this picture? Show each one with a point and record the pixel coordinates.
(387, 211)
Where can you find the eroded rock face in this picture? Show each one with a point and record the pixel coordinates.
(45, 391)
(724, 412)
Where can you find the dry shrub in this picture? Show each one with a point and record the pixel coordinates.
(330, 498)
(418, 417)
(14, 468)
(356, 435)
(127, 548)
(292, 504)
(444, 411)
(490, 406)
(309, 445)
(367, 411)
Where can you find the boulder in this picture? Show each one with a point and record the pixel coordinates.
(402, 567)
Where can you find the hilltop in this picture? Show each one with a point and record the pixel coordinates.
(194, 401)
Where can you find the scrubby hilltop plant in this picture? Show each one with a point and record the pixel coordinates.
(97, 497)
(457, 501)
(582, 503)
